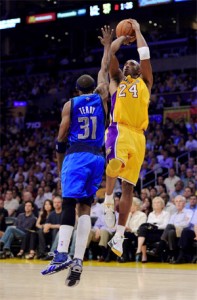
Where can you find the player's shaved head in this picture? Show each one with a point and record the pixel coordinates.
(85, 83)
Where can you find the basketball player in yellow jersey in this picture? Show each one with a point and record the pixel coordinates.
(125, 141)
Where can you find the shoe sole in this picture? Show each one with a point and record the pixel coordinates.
(73, 277)
(58, 268)
(117, 252)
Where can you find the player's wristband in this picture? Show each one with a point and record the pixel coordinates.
(60, 147)
(144, 53)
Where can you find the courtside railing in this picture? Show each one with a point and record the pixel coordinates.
(155, 172)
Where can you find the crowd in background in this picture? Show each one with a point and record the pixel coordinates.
(30, 185)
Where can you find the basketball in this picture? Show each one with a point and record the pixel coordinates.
(124, 27)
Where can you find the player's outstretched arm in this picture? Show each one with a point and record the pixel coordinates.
(144, 53)
(114, 70)
(102, 81)
(62, 135)
(106, 40)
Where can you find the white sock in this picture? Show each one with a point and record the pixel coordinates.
(83, 230)
(65, 233)
(120, 230)
(109, 199)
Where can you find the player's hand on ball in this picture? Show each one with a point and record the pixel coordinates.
(135, 25)
(129, 39)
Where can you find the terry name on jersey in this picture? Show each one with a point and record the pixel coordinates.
(87, 110)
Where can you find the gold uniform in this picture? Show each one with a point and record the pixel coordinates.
(125, 138)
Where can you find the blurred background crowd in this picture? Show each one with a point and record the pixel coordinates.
(38, 75)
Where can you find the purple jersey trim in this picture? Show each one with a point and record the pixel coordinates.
(113, 102)
(111, 139)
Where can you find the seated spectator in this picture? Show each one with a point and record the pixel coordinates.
(153, 193)
(26, 196)
(153, 229)
(50, 228)
(191, 143)
(10, 204)
(186, 241)
(182, 172)
(40, 198)
(160, 181)
(30, 241)
(24, 222)
(178, 221)
(147, 206)
(187, 193)
(144, 194)
(190, 178)
(169, 206)
(100, 234)
(47, 192)
(171, 180)
(179, 190)
(135, 219)
(95, 211)
(192, 204)
(165, 161)
(3, 215)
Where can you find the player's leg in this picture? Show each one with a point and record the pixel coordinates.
(124, 207)
(112, 172)
(95, 168)
(135, 143)
(61, 259)
(116, 157)
(83, 231)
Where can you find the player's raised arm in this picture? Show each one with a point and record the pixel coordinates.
(114, 71)
(102, 81)
(144, 54)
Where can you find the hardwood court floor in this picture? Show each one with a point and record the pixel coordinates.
(21, 280)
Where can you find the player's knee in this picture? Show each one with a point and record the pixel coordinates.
(68, 212)
(113, 167)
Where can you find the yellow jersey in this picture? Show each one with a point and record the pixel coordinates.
(130, 104)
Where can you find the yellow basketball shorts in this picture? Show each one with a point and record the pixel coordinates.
(127, 145)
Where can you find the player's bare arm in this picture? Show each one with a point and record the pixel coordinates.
(115, 72)
(63, 133)
(102, 81)
(145, 65)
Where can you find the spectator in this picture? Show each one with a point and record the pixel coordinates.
(179, 190)
(10, 204)
(26, 196)
(187, 193)
(47, 192)
(3, 215)
(192, 203)
(135, 219)
(186, 241)
(153, 229)
(171, 180)
(40, 198)
(50, 227)
(169, 206)
(178, 221)
(146, 206)
(30, 241)
(165, 161)
(190, 178)
(25, 221)
(100, 234)
(191, 143)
